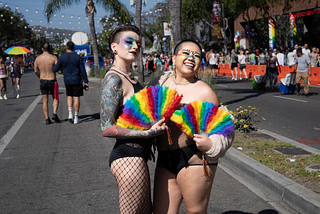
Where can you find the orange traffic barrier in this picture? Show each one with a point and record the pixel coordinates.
(253, 70)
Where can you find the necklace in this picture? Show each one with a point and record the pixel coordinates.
(120, 69)
(178, 83)
(131, 77)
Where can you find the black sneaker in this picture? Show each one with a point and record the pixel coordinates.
(297, 93)
(307, 95)
(56, 118)
(48, 121)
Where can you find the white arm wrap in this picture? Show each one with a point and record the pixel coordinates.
(220, 144)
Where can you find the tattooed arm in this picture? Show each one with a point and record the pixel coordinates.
(111, 95)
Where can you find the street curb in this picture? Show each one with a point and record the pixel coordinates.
(290, 192)
(293, 142)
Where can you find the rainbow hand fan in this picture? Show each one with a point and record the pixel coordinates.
(202, 117)
(148, 106)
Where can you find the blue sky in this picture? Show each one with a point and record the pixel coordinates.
(36, 16)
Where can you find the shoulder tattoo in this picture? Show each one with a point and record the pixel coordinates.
(111, 94)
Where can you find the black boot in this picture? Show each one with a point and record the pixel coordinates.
(56, 118)
(48, 121)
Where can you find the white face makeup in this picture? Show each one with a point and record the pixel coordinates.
(128, 48)
(128, 42)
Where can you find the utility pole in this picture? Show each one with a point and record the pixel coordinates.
(224, 31)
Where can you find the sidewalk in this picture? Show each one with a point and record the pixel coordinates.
(290, 192)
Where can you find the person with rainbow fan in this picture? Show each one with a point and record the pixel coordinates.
(129, 156)
(196, 146)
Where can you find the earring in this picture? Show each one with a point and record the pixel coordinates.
(115, 51)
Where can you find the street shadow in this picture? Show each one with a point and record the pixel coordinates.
(251, 94)
(89, 117)
(268, 211)
(32, 95)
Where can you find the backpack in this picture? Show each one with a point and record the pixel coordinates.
(16, 67)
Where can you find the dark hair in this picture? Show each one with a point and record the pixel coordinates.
(70, 45)
(46, 47)
(179, 45)
(115, 35)
(299, 50)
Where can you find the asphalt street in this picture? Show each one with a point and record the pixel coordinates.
(63, 168)
(294, 116)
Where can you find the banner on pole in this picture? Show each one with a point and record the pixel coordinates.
(293, 31)
(216, 11)
(166, 29)
(271, 34)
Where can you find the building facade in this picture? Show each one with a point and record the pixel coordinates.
(307, 19)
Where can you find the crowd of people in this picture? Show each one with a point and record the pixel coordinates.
(273, 59)
(12, 67)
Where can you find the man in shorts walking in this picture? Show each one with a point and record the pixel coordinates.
(43, 66)
(73, 74)
(213, 62)
(303, 68)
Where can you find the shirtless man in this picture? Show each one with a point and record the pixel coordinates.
(48, 83)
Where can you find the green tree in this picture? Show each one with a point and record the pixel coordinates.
(113, 6)
(193, 14)
(153, 23)
(13, 27)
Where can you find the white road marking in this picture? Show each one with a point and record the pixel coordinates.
(5, 140)
(224, 86)
(287, 98)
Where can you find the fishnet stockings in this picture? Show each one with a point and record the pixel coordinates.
(133, 179)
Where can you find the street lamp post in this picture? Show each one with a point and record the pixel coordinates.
(164, 44)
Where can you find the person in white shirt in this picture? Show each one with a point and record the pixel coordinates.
(243, 64)
(213, 62)
(291, 56)
(305, 50)
(280, 57)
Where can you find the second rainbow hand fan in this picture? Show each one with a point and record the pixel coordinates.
(148, 106)
(202, 117)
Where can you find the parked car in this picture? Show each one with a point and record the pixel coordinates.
(90, 57)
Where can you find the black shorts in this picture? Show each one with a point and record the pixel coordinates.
(213, 66)
(242, 66)
(47, 86)
(131, 148)
(74, 90)
(234, 65)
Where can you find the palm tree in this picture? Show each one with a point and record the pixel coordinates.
(175, 13)
(138, 23)
(114, 6)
